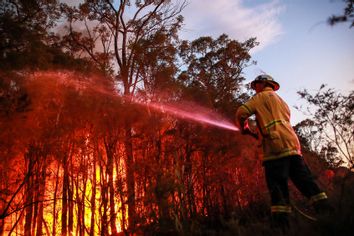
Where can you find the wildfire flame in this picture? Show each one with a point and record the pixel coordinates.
(79, 198)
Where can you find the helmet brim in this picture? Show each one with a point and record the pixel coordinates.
(274, 84)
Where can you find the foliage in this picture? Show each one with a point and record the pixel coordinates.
(23, 29)
(329, 132)
(28, 41)
(348, 15)
(115, 33)
(214, 70)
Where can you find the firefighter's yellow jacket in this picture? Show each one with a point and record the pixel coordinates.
(273, 120)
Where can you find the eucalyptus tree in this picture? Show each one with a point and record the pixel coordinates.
(330, 125)
(211, 76)
(24, 32)
(109, 33)
(214, 68)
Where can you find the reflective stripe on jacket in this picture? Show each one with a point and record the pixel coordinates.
(273, 120)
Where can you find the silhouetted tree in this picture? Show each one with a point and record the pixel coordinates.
(28, 41)
(214, 70)
(332, 123)
(348, 15)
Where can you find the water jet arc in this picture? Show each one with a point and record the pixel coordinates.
(188, 111)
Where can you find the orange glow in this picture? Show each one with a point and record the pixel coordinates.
(50, 218)
(74, 161)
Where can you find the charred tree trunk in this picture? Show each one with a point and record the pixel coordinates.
(104, 219)
(78, 203)
(113, 215)
(29, 193)
(54, 228)
(93, 204)
(29, 208)
(206, 192)
(110, 149)
(71, 197)
(39, 219)
(120, 192)
(40, 198)
(189, 182)
(104, 202)
(93, 196)
(161, 187)
(81, 212)
(35, 203)
(130, 178)
(65, 195)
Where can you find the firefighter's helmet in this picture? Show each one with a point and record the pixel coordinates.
(265, 78)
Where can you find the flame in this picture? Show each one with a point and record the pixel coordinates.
(93, 172)
(15, 222)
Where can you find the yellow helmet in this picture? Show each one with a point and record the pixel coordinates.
(265, 78)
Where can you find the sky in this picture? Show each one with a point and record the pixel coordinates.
(296, 45)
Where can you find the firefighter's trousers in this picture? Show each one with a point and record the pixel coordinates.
(277, 173)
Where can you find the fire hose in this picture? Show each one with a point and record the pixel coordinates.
(303, 213)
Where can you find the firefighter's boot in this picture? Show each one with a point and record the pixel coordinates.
(280, 220)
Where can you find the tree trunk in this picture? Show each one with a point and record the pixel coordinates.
(121, 194)
(29, 194)
(71, 199)
(189, 182)
(55, 201)
(39, 219)
(160, 189)
(78, 203)
(35, 206)
(67, 194)
(110, 149)
(40, 198)
(206, 192)
(82, 207)
(104, 203)
(29, 208)
(130, 178)
(111, 199)
(64, 209)
(93, 196)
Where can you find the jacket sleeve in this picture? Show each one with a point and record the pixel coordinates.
(245, 111)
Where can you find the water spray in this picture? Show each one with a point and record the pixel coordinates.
(182, 110)
(193, 112)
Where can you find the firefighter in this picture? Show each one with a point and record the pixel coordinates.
(282, 157)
